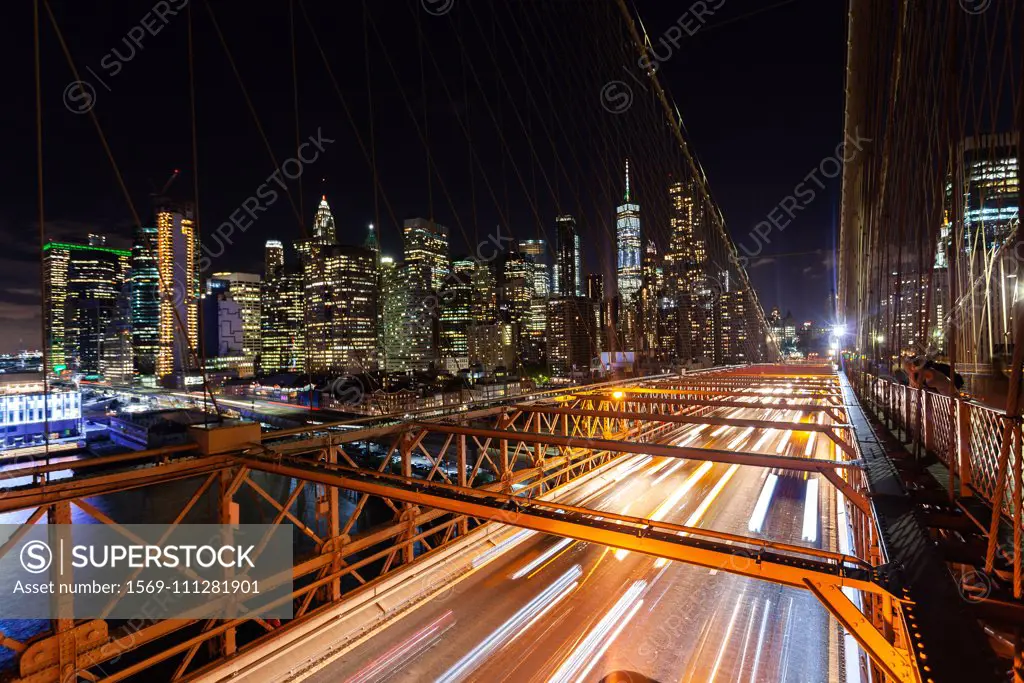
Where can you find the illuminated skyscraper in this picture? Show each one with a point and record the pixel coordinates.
(627, 231)
(145, 304)
(341, 306)
(245, 290)
(273, 260)
(82, 283)
(426, 243)
(456, 316)
(571, 336)
(648, 303)
(689, 294)
(568, 262)
(485, 294)
(223, 334)
(516, 297)
(426, 268)
(116, 364)
(737, 326)
(537, 251)
(630, 267)
(578, 258)
(178, 264)
(394, 327)
(323, 223)
(371, 242)
(282, 323)
(324, 234)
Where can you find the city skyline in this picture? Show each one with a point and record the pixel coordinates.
(734, 141)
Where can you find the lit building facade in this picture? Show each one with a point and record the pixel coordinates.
(537, 252)
(28, 413)
(82, 284)
(690, 299)
(571, 335)
(116, 362)
(223, 329)
(341, 310)
(736, 338)
(245, 289)
(516, 296)
(648, 300)
(178, 265)
(568, 261)
(485, 294)
(324, 234)
(273, 259)
(426, 269)
(426, 243)
(282, 323)
(491, 345)
(145, 304)
(456, 317)
(629, 242)
(394, 328)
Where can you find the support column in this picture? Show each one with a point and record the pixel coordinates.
(227, 513)
(460, 454)
(63, 602)
(334, 527)
(408, 514)
(963, 447)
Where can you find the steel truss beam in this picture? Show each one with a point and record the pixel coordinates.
(714, 455)
(823, 573)
(828, 430)
(895, 662)
(833, 396)
(834, 412)
(779, 563)
(88, 486)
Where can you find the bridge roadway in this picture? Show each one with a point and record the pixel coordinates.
(556, 609)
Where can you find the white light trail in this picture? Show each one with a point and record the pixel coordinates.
(392, 660)
(721, 430)
(678, 494)
(516, 625)
(632, 467)
(810, 444)
(756, 522)
(668, 472)
(810, 530)
(542, 558)
(725, 640)
(657, 468)
(746, 638)
(760, 640)
(741, 438)
(769, 433)
(784, 441)
(692, 436)
(600, 638)
(695, 518)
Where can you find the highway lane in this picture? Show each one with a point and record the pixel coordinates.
(557, 609)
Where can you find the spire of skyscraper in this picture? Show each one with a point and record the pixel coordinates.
(371, 239)
(323, 222)
(626, 198)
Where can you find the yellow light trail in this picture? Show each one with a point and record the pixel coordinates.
(710, 498)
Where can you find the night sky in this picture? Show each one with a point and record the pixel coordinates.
(760, 89)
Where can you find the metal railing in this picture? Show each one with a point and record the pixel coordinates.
(965, 436)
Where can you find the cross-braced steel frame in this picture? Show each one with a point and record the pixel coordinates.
(483, 467)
